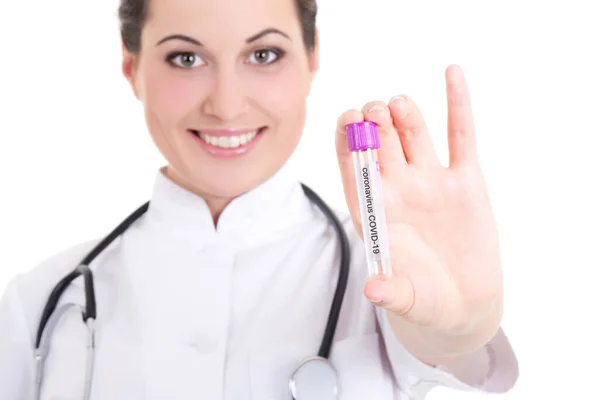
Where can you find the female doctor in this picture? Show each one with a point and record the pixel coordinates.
(225, 285)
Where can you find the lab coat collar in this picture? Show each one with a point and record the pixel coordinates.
(272, 206)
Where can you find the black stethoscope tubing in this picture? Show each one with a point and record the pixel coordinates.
(90, 312)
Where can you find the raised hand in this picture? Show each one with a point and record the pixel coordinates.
(444, 248)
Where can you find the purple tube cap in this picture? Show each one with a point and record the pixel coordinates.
(362, 136)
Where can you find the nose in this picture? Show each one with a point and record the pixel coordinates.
(227, 98)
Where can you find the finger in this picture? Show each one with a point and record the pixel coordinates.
(390, 153)
(345, 159)
(341, 143)
(394, 293)
(411, 127)
(461, 130)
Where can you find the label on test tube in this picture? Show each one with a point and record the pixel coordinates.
(373, 214)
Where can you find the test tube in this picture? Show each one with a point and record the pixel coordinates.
(363, 142)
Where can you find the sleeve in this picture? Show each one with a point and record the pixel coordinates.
(16, 353)
(492, 369)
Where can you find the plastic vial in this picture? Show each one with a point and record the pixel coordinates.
(363, 142)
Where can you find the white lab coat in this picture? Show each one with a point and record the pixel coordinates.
(187, 311)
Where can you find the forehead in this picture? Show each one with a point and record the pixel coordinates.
(230, 18)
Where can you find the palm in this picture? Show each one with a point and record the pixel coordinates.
(443, 240)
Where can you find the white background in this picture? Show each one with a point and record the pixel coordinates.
(75, 156)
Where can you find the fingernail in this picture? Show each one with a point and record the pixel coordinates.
(399, 103)
(376, 107)
(398, 98)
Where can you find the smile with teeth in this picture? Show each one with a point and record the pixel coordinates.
(228, 142)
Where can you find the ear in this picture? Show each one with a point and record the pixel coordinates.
(128, 67)
(313, 63)
(314, 59)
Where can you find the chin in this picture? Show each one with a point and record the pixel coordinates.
(228, 184)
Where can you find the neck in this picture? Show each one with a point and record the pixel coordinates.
(216, 204)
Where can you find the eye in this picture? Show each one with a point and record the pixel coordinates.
(185, 60)
(265, 56)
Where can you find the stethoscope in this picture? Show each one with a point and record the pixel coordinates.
(315, 378)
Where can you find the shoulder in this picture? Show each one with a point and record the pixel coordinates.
(30, 290)
(54, 267)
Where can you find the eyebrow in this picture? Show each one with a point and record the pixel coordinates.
(264, 33)
(197, 43)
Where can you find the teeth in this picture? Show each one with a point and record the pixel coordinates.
(228, 142)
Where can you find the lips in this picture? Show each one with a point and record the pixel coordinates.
(227, 142)
(227, 139)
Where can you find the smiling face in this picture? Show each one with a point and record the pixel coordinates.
(224, 87)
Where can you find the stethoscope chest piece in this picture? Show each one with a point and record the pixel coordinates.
(314, 379)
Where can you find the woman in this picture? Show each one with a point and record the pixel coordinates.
(224, 285)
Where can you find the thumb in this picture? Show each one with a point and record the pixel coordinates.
(395, 293)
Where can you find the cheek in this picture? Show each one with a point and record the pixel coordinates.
(283, 96)
(170, 97)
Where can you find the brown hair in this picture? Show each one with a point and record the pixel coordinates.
(133, 13)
